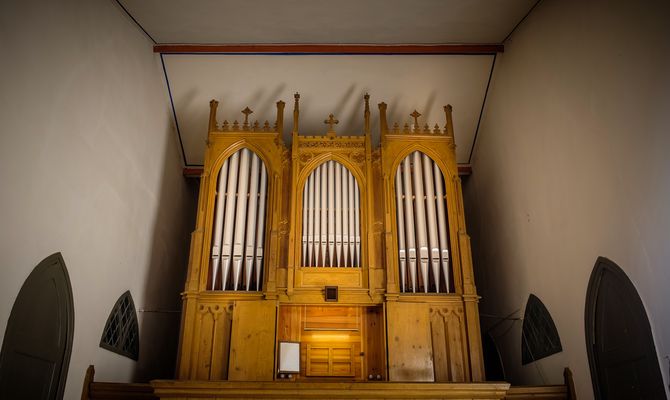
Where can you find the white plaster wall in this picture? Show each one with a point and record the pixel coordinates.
(89, 166)
(571, 163)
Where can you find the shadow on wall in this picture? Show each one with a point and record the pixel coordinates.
(159, 311)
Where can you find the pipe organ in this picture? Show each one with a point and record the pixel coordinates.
(279, 223)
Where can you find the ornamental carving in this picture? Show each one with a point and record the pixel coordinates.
(358, 157)
(305, 157)
(332, 144)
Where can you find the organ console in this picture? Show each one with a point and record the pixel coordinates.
(276, 224)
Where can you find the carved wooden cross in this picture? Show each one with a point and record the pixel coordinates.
(246, 113)
(416, 116)
(331, 121)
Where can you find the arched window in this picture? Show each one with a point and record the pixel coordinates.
(539, 336)
(331, 230)
(239, 223)
(121, 334)
(619, 341)
(421, 211)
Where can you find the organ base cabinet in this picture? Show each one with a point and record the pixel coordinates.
(277, 224)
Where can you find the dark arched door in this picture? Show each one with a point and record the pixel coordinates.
(38, 340)
(621, 350)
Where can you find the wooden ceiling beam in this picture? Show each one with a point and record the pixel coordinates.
(329, 48)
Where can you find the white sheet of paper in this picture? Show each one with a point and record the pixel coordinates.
(289, 357)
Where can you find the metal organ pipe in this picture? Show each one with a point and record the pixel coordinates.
(252, 210)
(351, 182)
(239, 221)
(401, 231)
(409, 221)
(442, 224)
(433, 241)
(229, 219)
(260, 227)
(324, 213)
(331, 213)
(338, 214)
(345, 218)
(357, 225)
(317, 214)
(310, 219)
(242, 201)
(419, 204)
(218, 221)
(305, 212)
(422, 223)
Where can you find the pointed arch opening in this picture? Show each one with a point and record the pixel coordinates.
(422, 226)
(238, 231)
(331, 222)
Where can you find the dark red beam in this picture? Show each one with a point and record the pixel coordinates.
(195, 172)
(331, 48)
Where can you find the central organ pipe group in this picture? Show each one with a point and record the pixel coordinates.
(331, 234)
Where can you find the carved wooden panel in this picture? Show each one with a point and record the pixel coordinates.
(449, 343)
(252, 341)
(409, 342)
(330, 360)
(211, 349)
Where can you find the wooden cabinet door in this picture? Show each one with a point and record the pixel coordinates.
(330, 360)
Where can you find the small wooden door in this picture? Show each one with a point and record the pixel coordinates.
(38, 340)
(621, 350)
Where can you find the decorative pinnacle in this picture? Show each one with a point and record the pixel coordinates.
(246, 113)
(416, 116)
(331, 121)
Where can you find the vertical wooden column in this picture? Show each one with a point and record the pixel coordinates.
(292, 263)
(372, 259)
(390, 242)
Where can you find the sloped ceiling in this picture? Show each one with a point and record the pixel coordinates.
(327, 83)
(328, 21)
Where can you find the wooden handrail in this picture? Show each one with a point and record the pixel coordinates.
(111, 390)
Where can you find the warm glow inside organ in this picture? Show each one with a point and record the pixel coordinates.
(382, 224)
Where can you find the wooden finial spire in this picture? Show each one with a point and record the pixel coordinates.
(296, 112)
(280, 117)
(449, 129)
(383, 124)
(213, 104)
(366, 114)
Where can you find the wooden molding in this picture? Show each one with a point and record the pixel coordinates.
(166, 389)
(330, 48)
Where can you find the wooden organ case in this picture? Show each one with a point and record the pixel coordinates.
(277, 225)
